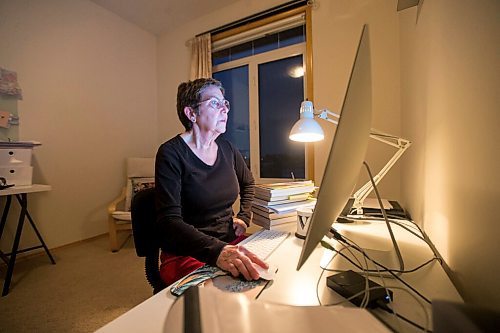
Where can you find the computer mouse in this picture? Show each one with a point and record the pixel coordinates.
(266, 274)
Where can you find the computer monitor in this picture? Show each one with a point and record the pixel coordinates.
(347, 152)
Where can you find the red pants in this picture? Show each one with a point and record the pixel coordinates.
(174, 267)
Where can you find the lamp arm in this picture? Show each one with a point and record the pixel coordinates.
(391, 140)
(365, 190)
(323, 114)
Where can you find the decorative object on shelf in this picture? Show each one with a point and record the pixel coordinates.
(9, 85)
(7, 119)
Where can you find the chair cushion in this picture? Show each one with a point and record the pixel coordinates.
(135, 185)
(122, 216)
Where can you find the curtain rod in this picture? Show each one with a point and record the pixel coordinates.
(269, 12)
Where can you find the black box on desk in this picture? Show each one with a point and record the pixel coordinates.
(350, 283)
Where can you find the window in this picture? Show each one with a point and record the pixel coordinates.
(263, 75)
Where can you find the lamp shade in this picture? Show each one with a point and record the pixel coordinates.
(306, 129)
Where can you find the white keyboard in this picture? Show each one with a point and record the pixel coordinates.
(264, 242)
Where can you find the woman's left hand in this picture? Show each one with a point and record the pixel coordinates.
(239, 226)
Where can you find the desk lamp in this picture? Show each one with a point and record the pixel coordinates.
(307, 129)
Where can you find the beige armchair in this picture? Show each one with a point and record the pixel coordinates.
(140, 175)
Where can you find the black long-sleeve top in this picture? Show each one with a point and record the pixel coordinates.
(194, 200)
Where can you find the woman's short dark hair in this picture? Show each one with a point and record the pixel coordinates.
(189, 94)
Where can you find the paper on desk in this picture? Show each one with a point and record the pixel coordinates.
(372, 203)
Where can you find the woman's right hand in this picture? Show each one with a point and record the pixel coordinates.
(238, 260)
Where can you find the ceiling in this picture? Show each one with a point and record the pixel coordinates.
(158, 16)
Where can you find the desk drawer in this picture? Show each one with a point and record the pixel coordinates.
(19, 176)
(15, 157)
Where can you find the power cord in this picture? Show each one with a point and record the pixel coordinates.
(386, 308)
(366, 292)
(359, 249)
(385, 269)
(345, 240)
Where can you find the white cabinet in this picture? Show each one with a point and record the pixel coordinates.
(15, 162)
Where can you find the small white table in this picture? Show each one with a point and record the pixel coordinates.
(21, 194)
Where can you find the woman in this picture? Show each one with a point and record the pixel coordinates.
(198, 178)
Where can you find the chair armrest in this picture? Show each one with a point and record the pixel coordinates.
(114, 203)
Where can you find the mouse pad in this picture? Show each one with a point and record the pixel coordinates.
(213, 277)
(228, 283)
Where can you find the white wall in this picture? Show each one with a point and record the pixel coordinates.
(89, 85)
(336, 30)
(174, 57)
(450, 98)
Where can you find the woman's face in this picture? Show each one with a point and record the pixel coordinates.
(213, 109)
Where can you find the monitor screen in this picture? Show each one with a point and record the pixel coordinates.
(347, 152)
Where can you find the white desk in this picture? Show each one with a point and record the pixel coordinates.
(299, 288)
(21, 194)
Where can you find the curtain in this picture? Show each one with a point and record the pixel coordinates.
(201, 57)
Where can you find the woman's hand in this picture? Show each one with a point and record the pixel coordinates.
(238, 260)
(239, 226)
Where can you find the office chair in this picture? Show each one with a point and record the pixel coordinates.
(143, 212)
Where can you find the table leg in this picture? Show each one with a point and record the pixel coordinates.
(2, 225)
(15, 246)
(5, 214)
(24, 199)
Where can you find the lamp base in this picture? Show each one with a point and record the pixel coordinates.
(396, 211)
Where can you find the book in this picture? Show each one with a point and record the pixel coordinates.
(281, 200)
(271, 214)
(267, 191)
(268, 223)
(288, 207)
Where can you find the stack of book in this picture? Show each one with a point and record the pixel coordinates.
(277, 203)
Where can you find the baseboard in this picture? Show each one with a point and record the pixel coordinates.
(39, 252)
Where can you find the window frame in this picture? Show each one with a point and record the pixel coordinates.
(253, 63)
(253, 90)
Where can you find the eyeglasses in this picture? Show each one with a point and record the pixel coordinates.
(215, 103)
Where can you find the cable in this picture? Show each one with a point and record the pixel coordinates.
(323, 271)
(424, 237)
(366, 297)
(317, 283)
(386, 308)
(356, 247)
(400, 224)
(359, 249)
(364, 302)
(388, 295)
(325, 244)
(376, 315)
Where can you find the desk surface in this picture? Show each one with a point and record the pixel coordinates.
(301, 287)
(25, 189)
